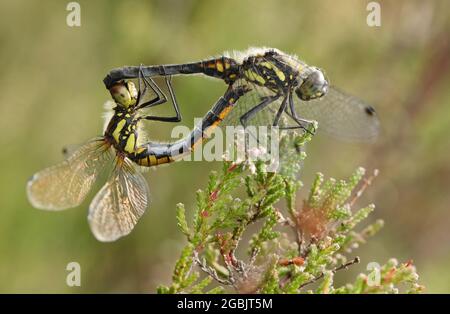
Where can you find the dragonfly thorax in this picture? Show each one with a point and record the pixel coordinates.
(121, 132)
(269, 70)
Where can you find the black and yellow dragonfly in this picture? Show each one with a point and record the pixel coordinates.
(284, 91)
(120, 203)
(264, 86)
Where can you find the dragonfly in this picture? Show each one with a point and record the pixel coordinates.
(123, 199)
(283, 91)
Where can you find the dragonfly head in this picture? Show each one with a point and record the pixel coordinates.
(124, 93)
(314, 86)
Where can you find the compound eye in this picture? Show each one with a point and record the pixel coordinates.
(314, 86)
(125, 94)
(121, 96)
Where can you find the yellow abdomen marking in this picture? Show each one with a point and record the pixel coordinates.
(163, 160)
(225, 112)
(210, 130)
(219, 66)
(148, 161)
(153, 160)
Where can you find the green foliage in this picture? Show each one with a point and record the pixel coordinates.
(249, 234)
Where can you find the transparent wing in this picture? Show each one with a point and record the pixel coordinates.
(251, 99)
(338, 114)
(65, 185)
(341, 115)
(120, 203)
(289, 150)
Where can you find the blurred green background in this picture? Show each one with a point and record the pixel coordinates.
(52, 95)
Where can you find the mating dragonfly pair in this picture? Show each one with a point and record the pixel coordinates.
(265, 87)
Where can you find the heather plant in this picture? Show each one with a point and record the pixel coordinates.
(250, 234)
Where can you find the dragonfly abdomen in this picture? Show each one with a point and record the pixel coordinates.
(152, 154)
(223, 68)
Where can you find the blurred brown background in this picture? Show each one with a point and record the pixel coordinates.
(51, 95)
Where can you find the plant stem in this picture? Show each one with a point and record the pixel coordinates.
(356, 260)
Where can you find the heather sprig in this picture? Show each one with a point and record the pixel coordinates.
(250, 234)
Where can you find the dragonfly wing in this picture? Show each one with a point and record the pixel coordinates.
(288, 142)
(341, 115)
(120, 203)
(248, 101)
(66, 184)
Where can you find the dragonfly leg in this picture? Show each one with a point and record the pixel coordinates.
(300, 121)
(177, 117)
(291, 106)
(144, 84)
(252, 112)
(155, 153)
(299, 125)
(280, 111)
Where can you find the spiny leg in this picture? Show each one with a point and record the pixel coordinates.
(280, 111)
(298, 126)
(294, 114)
(144, 83)
(177, 117)
(252, 112)
(297, 119)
